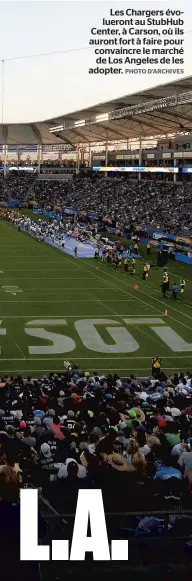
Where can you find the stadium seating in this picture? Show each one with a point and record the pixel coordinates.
(129, 437)
(72, 430)
(15, 186)
(128, 203)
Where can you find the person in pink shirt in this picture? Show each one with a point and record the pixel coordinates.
(56, 429)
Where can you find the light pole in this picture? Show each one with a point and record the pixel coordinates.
(2, 115)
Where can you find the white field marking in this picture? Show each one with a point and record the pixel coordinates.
(146, 321)
(66, 289)
(12, 290)
(71, 288)
(123, 282)
(70, 301)
(139, 282)
(11, 243)
(17, 270)
(3, 332)
(129, 358)
(141, 331)
(66, 316)
(123, 341)
(177, 275)
(61, 344)
(48, 278)
(26, 249)
(64, 255)
(168, 306)
(179, 301)
(145, 369)
(11, 336)
(35, 261)
(48, 322)
(144, 302)
(176, 343)
(157, 290)
(28, 260)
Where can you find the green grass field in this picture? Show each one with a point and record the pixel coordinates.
(64, 308)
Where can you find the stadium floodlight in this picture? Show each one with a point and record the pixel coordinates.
(58, 128)
(79, 123)
(153, 105)
(103, 117)
(90, 121)
(127, 112)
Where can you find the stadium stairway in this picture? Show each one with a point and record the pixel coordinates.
(5, 193)
(30, 190)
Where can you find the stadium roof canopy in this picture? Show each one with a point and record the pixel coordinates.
(164, 109)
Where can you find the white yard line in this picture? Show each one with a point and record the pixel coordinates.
(125, 283)
(149, 296)
(65, 257)
(177, 275)
(31, 269)
(129, 358)
(29, 261)
(71, 316)
(69, 300)
(66, 289)
(48, 278)
(129, 294)
(17, 347)
(145, 369)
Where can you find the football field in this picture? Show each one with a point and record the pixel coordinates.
(54, 307)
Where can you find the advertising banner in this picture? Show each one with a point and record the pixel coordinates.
(137, 169)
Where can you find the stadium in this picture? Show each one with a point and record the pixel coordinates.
(50, 289)
(95, 321)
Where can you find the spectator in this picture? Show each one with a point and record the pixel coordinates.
(45, 458)
(185, 461)
(71, 467)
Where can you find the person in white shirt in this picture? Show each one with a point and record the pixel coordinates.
(118, 383)
(179, 387)
(144, 450)
(63, 472)
(143, 395)
(175, 412)
(177, 450)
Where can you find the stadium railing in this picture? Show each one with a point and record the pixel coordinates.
(156, 553)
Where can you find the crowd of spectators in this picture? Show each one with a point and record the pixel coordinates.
(128, 203)
(51, 193)
(132, 438)
(3, 195)
(15, 185)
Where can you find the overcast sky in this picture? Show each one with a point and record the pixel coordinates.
(48, 86)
